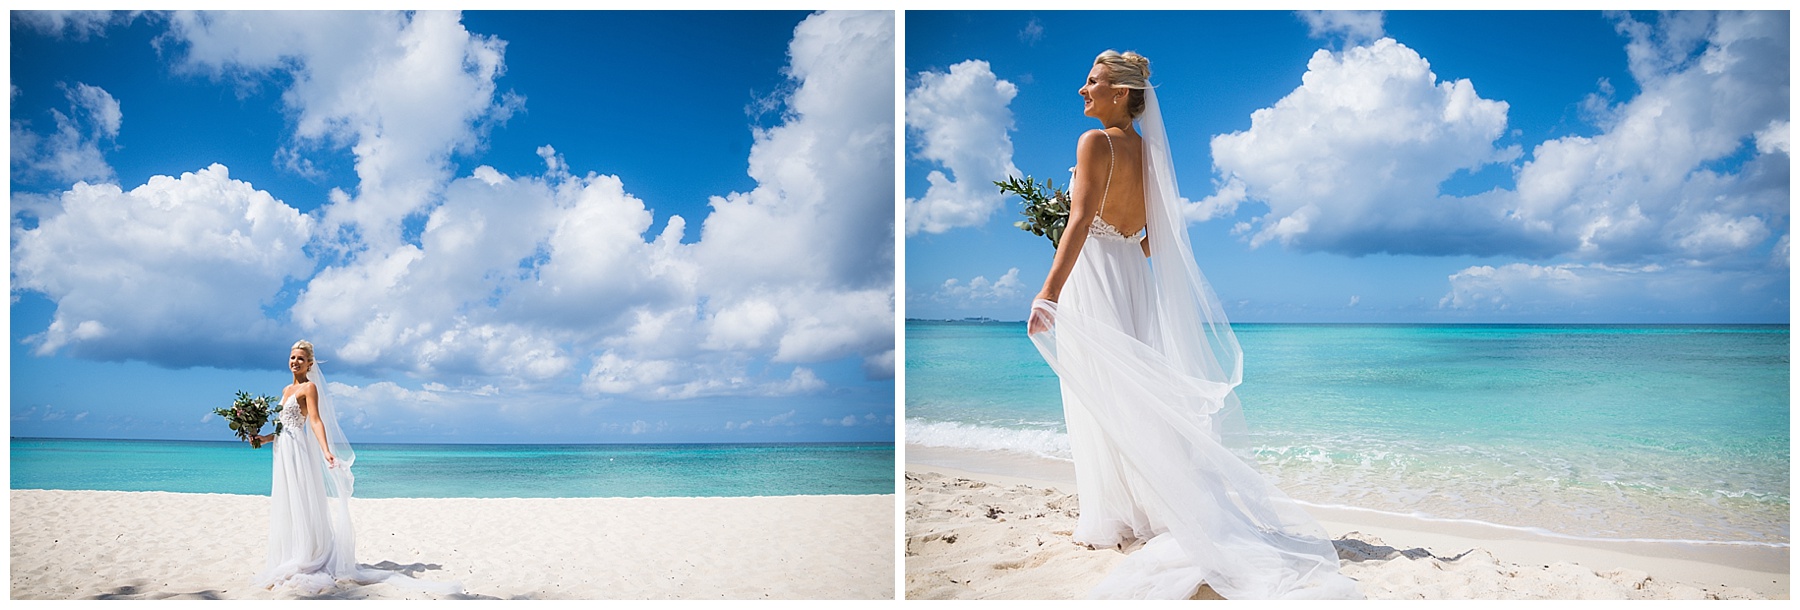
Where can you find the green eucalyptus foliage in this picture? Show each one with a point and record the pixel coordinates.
(1046, 208)
(247, 414)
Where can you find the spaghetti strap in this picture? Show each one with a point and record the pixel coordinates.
(1109, 171)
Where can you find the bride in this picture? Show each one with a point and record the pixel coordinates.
(311, 543)
(1148, 366)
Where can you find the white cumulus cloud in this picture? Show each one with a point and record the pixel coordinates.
(1355, 26)
(71, 150)
(814, 241)
(176, 271)
(958, 120)
(359, 406)
(981, 290)
(1352, 161)
(1633, 191)
(511, 276)
(559, 280)
(74, 24)
(1774, 138)
(1603, 292)
(402, 91)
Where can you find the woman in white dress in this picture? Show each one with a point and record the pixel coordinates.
(311, 543)
(1149, 367)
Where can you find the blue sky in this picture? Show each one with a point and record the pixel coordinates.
(496, 226)
(1409, 166)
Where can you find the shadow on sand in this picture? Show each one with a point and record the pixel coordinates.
(142, 589)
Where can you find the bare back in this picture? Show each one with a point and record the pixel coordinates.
(1122, 194)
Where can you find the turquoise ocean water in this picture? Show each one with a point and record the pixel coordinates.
(471, 471)
(1610, 432)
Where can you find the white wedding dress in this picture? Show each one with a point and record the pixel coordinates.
(312, 545)
(1149, 366)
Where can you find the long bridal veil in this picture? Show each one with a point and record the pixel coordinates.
(340, 482)
(1165, 406)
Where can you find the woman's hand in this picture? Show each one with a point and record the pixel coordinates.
(1043, 316)
(330, 460)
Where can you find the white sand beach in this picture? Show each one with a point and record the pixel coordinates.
(984, 536)
(155, 545)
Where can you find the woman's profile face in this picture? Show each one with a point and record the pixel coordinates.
(1097, 93)
(297, 361)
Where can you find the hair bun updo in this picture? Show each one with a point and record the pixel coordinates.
(305, 346)
(1128, 70)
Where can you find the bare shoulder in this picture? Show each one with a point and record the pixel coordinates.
(304, 389)
(1092, 138)
(1093, 146)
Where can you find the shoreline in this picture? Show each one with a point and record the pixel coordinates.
(164, 545)
(1038, 471)
(937, 507)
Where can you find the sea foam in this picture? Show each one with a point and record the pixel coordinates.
(1039, 443)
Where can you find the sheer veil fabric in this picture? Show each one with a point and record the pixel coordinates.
(1149, 367)
(312, 545)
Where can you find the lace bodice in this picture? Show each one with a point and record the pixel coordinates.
(1102, 229)
(291, 417)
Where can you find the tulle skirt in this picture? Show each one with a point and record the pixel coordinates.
(312, 544)
(304, 549)
(1151, 456)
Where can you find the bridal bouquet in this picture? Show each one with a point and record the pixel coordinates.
(1046, 207)
(247, 415)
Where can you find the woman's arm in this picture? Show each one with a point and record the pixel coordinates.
(1092, 160)
(311, 393)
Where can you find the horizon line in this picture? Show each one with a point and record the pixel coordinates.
(182, 440)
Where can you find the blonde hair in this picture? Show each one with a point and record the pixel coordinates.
(1130, 71)
(305, 346)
